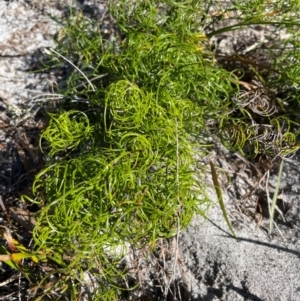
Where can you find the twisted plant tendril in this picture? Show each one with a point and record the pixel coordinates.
(119, 155)
(260, 126)
(257, 101)
(126, 192)
(66, 131)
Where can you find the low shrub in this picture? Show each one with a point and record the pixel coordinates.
(120, 151)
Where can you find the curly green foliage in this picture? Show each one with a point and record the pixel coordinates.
(137, 189)
(66, 131)
(120, 166)
(132, 181)
(139, 166)
(164, 50)
(171, 57)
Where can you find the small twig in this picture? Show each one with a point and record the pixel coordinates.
(254, 187)
(19, 286)
(48, 95)
(270, 201)
(93, 79)
(10, 279)
(3, 208)
(182, 271)
(23, 217)
(176, 238)
(245, 160)
(75, 68)
(273, 204)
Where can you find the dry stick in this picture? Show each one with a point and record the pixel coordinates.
(279, 231)
(183, 273)
(95, 78)
(75, 68)
(40, 98)
(177, 180)
(3, 206)
(23, 217)
(10, 279)
(254, 187)
(175, 239)
(273, 203)
(178, 259)
(19, 286)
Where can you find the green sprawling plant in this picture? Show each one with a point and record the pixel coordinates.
(120, 150)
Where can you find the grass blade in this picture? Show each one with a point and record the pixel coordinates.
(273, 205)
(220, 197)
